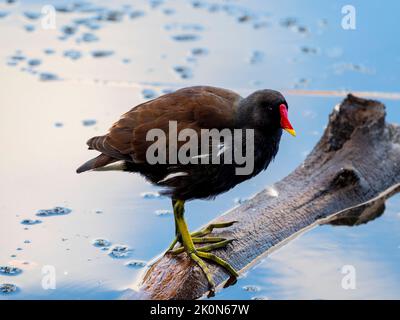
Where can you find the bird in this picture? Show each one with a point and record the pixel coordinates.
(194, 109)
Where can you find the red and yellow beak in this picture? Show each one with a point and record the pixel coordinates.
(285, 123)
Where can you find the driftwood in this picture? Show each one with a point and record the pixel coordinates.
(345, 180)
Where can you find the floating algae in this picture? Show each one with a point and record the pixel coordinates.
(31, 15)
(72, 54)
(150, 195)
(163, 212)
(9, 271)
(7, 288)
(148, 93)
(136, 264)
(251, 288)
(89, 122)
(119, 251)
(102, 53)
(34, 62)
(56, 211)
(183, 72)
(101, 243)
(47, 76)
(185, 37)
(30, 222)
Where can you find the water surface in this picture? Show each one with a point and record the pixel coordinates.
(79, 84)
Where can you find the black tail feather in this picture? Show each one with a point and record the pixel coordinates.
(98, 162)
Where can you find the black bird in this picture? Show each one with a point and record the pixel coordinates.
(125, 148)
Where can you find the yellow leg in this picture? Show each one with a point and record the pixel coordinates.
(199, 253)
(198, 236)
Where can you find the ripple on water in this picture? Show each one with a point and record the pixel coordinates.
(8, 288)
(169, 11)
(9, 271)
(34, 62)
(239, 201)
(309, 50)
(150, 195)
(256, 57)
(111, 15)
(72, 54)
(30, 222)
(101, 243)
(3, 14)
(149, 93)
(89, 122)
(56, 211)
(163, 212)
(64, 8)
(288, 22)
(136, 264)
(68, 30)
(18, 57)
(251, 288)
(199, 51)
(119, 251)
(183, 72)
(29, 27)
(31, 15)
(89, 37)
(102, 53)
(48, 76)
(185, 37)
(90, 23)
(49, 51)
(259, 298)
(136, 14)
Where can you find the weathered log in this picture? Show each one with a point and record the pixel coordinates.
(355, 165)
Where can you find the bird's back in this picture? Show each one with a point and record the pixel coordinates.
(195, 108)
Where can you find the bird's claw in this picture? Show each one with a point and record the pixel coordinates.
(215, 245)
(197, 235)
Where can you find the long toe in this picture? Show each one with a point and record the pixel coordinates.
(214, 245)
(207, 239)
(219, 261)
(208, 229)
(211, 285)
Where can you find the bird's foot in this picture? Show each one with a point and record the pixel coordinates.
(201, 254)
(216, 243)
(198, 236)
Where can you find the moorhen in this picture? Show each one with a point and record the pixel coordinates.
(125, 147)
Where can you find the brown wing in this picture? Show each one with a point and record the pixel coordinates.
(194, 107)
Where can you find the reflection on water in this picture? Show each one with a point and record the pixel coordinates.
(52, 102)
(316, 264)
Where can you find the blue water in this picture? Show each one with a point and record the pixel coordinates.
(41, 127)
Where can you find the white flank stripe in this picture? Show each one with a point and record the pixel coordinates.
(173, 175)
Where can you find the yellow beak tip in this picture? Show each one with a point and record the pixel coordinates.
(291, 131)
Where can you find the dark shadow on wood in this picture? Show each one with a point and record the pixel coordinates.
(345, 180)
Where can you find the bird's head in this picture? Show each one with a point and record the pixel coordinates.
(267, 110)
